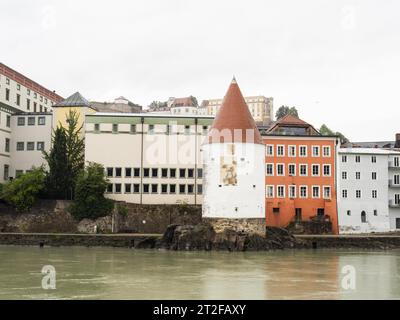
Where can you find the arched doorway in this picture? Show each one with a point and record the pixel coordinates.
(363, 217)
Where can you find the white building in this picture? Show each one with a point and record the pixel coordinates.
(368, 190)
(234, 168)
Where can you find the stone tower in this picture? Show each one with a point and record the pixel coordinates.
(234, 168)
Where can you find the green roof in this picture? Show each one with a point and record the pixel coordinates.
(75, 100)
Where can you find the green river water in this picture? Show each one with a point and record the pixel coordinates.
(110, 273)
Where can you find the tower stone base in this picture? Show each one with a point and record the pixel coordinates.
(250, 225)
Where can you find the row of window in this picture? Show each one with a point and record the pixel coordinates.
(115, 129)
(357, 159)
(303, 169)
(374, 194)
(28, 92)
(31, 121)
(293, 191)
(363, 215)
(118, 172)
(30, 146)
(154, 188)
(302, 151)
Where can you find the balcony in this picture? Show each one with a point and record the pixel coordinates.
(393, 166)
(393, 204)
(393, 185)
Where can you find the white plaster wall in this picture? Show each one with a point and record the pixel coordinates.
(5, 132)
(352, 223)
(394, 213)
(244, 200)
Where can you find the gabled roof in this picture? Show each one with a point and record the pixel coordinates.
(233, 122)
(290, 121)
(76, 100)
(183, 102)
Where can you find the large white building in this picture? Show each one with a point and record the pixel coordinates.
(368, 193)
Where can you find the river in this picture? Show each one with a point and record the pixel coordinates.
(110, 273)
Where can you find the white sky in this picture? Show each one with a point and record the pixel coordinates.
(337, 61)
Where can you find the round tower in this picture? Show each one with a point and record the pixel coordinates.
(234, 168)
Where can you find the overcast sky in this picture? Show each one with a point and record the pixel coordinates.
(338, 62)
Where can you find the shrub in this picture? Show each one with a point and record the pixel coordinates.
(23, 192)
(122, 210)
(89, 194)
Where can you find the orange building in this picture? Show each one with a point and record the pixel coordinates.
(300, 173)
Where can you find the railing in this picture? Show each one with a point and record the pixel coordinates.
(393, 185)
(393, 166)
(393, 204)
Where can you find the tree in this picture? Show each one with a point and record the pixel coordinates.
(285, 110)
(57, 178)
(23, 192)
(89, 199)
(65, 159)
(325, 131)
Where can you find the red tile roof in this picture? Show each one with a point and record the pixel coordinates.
(233, 122)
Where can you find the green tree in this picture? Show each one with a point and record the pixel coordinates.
(285, 110)
(57, 178)
(325, 131)
(23, 192)
(89, 199)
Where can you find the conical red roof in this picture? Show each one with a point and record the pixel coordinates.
(233, 122)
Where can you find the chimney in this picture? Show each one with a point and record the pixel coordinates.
(397, 143)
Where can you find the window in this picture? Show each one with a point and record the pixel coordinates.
(396, 179)
(303, 191)
(205, 130)
(172, 188)
(358, 159)
(28, 104)
(20, 146)
(373, 175)
(6, 172)
(164, 173)
(280, 190)
(344, 158)
(270, 150)
(154, 188)
(182, 173)
(136, 188)
(41, 121)
(146, 172)
(270, 191)
(270, 169)
(182, 188)
(190, 173)
(34, 107)
(28, 92)
(358, 175)
(199, 173)
(344, 193)
(7, 81)
(18, 87)
(133, 128)
(18, 102)
(303, 169)
(292, 192)
(8, 121)
(146, 188)
(315, 191)
(154, 172)
(363, 217)
(326, 151)
(7, 94)
(358, 193)
(303, 151)
(280, 169)
(374, 194)
(115, 128)
(110, 172)
(373, 159)
(275, 210)
(31, 121)
(187, 129)
(396, 161)
(291, 151)
(128, 172)
(21, 121)
(349, 212)
(327, 170)
(344, 175)
(190, 188)
(30, 146)
(375, 212)
(97, 127)
(199, 189)
(164, 188)
(315, 151)
(136, 172)
(7, 145)
(18, 173)
(35, 95)
(128, 188)
(327, 192)
(315, 169)
(109, 188)
(292, 169)
(280, 151)
(117, 188)
(118, 172)
(151, 129)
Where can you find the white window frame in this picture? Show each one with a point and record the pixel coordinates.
(277, 171)
(305, 147)
(277, 191)
(344, 173)
(300, 165)
(357, 193)
(292, 164)
(300, 195)
(323, 170)
(283, 150)
(323, 151)
(266, 169)
(312, 170)
(290, 147)
(292, 188)
(312, 151)
(272, 150)
(273, 191)
(330, 192)
(312, 192)
(344, 191)
(374, 192)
